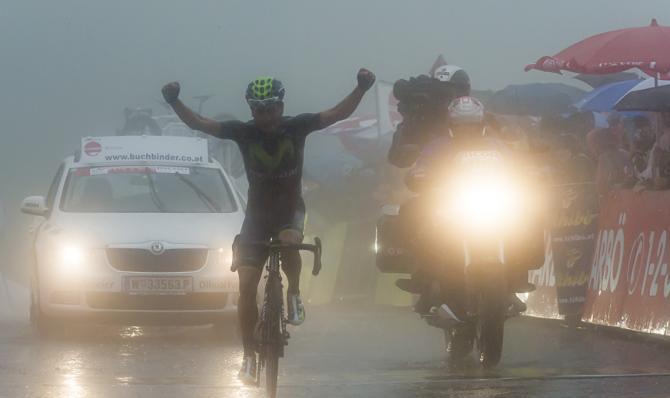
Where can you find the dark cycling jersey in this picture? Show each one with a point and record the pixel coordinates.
(273, 161)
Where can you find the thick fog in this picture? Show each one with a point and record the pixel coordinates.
(68, 68)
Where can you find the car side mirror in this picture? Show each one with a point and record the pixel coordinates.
(35, 205)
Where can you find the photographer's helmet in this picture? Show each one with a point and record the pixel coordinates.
(466, 117)
(454, 75)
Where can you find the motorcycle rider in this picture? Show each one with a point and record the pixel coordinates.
(272, 147)
(423, 103)
(467, 127)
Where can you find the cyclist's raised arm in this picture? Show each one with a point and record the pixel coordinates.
(349, 104)
(192, 119)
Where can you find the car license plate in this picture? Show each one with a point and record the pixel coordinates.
(158, 285)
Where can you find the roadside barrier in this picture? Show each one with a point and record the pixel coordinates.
(628, 282)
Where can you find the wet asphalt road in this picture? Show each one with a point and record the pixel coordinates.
(370, 352)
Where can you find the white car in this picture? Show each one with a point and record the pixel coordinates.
(136, 229)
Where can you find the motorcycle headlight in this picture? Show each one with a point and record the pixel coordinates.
(485, 201)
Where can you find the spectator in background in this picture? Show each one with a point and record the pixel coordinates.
(139, 121)
(572, 164)
(661, 156)
(642, 142)
(617, 130)
(3, 225)
(614, 168)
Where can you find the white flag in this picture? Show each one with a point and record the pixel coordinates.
(387, 108)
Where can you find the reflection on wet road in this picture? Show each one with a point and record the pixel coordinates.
(370, 352)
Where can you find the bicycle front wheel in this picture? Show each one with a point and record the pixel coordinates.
(271, 370)
(273, 335)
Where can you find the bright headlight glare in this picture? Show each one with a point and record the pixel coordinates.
(225, 255)
(71, 258)
(485, 201)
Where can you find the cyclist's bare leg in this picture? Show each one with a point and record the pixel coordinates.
(291, 262)
(247, 308)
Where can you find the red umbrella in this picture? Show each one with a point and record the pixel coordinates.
(646, 48)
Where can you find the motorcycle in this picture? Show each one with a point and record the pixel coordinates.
(475, 231)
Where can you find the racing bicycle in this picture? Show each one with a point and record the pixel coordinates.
(271, 334)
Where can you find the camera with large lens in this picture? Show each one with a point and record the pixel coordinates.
(422, 102)
(422, 99)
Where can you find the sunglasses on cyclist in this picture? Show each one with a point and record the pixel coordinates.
(264, 104)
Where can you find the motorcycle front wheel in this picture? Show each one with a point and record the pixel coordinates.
(491, 326)
(459, 341)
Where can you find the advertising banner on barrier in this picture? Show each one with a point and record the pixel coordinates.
(542, 302)
(629, 284)
(572, 240)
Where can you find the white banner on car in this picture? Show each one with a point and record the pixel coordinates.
(150, 149)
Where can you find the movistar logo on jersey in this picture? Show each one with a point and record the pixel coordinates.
(270, 161)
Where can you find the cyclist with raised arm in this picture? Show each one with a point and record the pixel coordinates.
(272, 147)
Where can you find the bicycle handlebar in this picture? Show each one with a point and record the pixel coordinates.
(273, 244)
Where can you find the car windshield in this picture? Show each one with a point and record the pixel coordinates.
(147, 189)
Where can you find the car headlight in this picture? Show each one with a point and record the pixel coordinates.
(225, 256)
(71, 259)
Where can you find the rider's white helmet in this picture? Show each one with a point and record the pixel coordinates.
(445, 72)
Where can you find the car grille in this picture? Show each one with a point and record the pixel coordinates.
(171, 260)
(187, 302)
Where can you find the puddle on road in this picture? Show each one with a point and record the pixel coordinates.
(130, 332)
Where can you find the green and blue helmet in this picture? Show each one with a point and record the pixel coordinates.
(265, 91)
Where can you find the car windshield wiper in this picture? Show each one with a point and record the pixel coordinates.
(211, 205)
(154, 194)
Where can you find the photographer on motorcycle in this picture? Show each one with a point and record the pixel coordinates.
(466, 131)
(422, 103)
